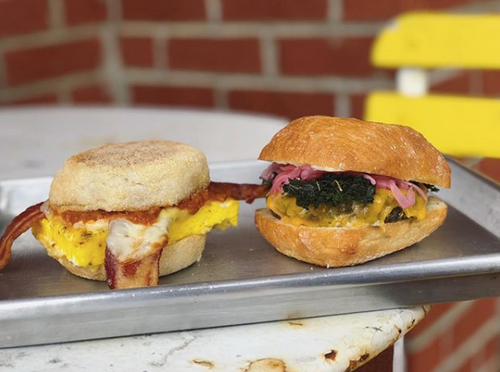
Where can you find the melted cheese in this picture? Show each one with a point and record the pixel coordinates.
(371, 214)
(84, 244)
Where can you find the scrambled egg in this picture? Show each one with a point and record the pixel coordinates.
(84, 244)
(370, 214)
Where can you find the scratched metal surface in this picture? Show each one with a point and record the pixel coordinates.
(242, 279)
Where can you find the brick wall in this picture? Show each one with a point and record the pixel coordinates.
(284, 57)
(456, 337)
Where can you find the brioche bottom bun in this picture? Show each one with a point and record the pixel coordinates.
(174, 257)
(347, 246)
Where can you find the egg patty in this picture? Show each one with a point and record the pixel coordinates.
(84, 244)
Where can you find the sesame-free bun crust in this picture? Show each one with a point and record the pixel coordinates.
(347, 246)
(174, 257)
(344, 144)
(129, 176)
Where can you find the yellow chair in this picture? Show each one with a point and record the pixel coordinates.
(456, 125)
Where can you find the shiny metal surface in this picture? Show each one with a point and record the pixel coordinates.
(241, 278)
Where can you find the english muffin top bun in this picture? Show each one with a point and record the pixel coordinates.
(345, 191)
(129, 176)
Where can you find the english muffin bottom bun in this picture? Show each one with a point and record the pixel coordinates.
(174, 257)
(128, 213)
(346, 191)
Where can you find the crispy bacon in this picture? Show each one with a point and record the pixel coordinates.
(17, 227)
(239, 191)
(142, 273)
(221, 191)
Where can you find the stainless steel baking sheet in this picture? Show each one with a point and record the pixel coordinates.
(242, 279)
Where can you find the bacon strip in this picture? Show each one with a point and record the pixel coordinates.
(239, 191)
(221, 191)
(142, 273)
(17, 227)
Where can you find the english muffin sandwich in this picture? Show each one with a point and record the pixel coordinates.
(129, 213)
(346, 191)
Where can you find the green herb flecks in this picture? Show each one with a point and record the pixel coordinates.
(337, 191)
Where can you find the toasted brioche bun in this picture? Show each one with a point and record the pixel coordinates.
(342, 144)
(129, 176)
(174, 257)
(347, 246)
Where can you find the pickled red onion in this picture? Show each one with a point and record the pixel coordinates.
(284, 173)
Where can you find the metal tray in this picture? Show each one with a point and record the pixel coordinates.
(242, 279)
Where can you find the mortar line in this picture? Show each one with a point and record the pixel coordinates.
(214, 11)
(335, 11)
(342, 105)
(348, 85)
(56, 14)
(113, 70)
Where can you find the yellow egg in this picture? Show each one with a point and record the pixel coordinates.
(84, 244)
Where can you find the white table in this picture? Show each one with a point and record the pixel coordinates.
(35, 142)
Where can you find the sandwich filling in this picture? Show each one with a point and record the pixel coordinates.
(128, 245)
(83, 238)
(304, 196)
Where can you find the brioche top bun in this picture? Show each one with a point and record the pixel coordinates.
(345, 144)
(129, 176)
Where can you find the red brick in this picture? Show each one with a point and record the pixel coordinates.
(85, 11)
(43, 99)
(459, 84)
(476, 316)
(91, 94)
(23, 16)
(381, 363)
(319, 56)
(269, 10)
(30, 65)
(358, 106)
(379, 10)
(220, 55)
(491, 82)
(449, 340)
(490, 167)
(175, 96)
(162, 10)
(137, 51)
(467, 366)
(426, 359)
(491, 347)
(288, 104)
(482, 355)
(437, 311)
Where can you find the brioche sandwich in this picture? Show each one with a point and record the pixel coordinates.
(129, 213)
(345, 191)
